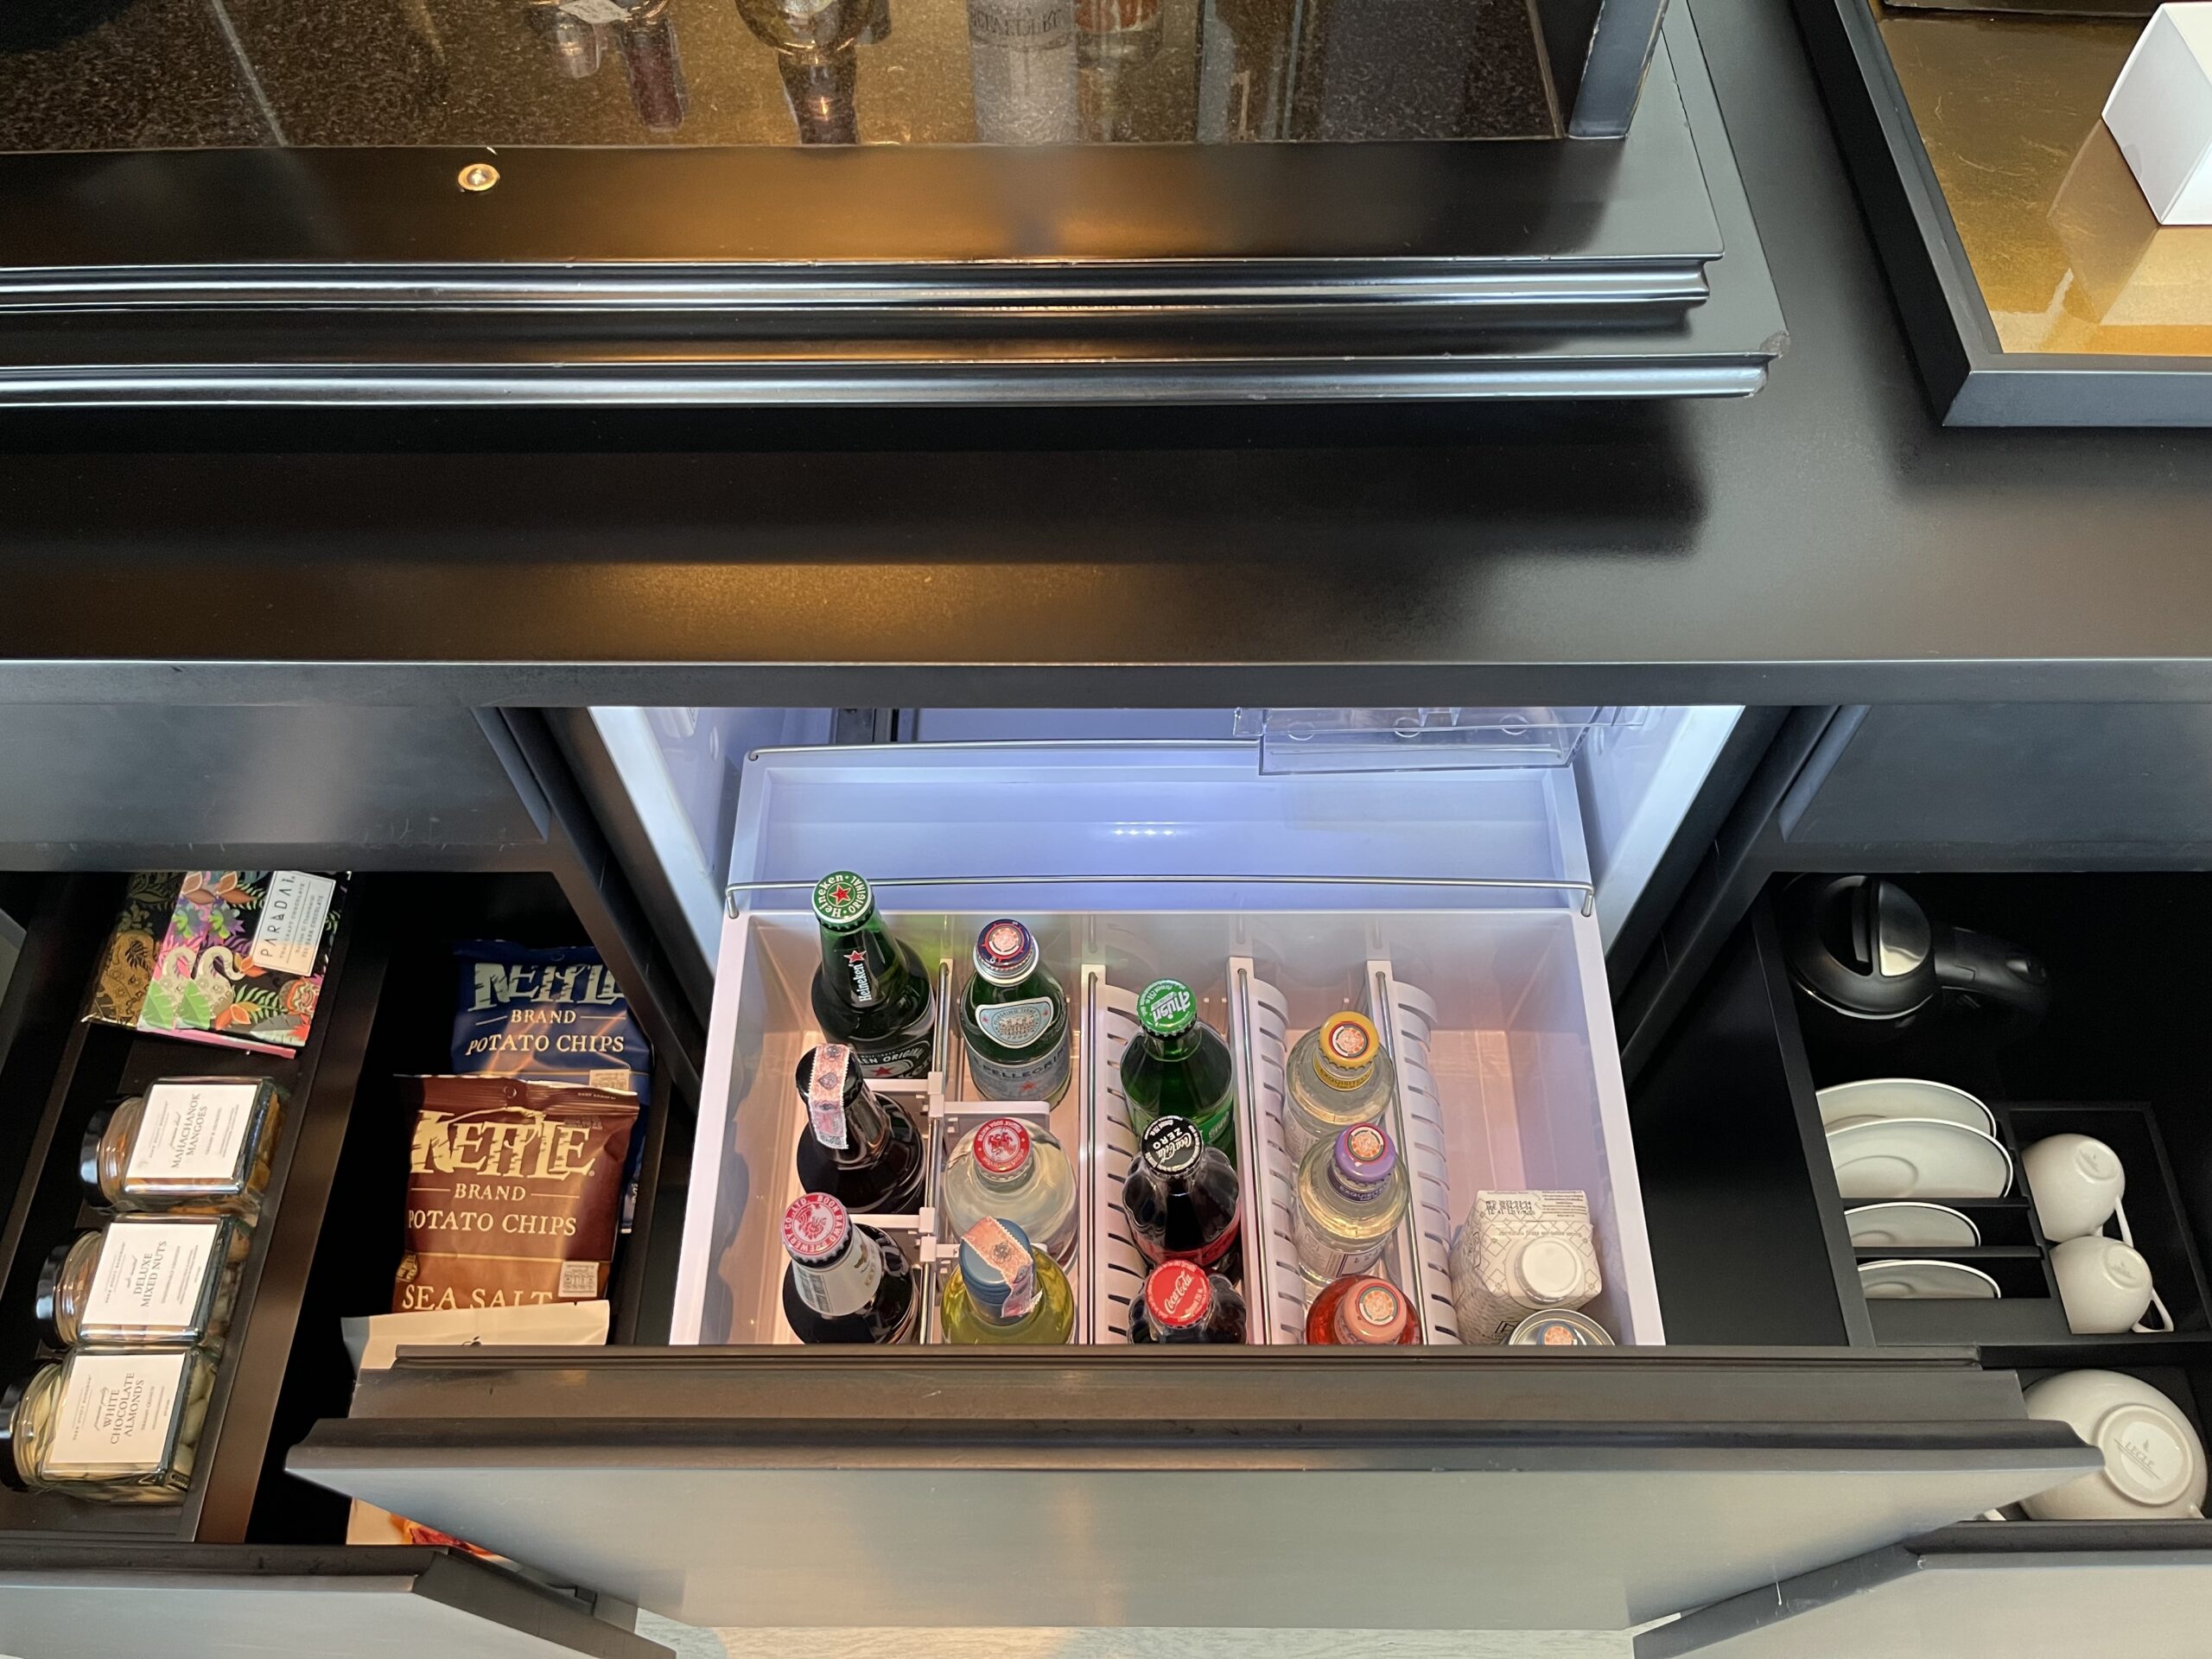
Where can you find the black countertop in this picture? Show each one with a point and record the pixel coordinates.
(1824, 541)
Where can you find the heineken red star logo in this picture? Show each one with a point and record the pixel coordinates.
(842, 894)
(856, 957)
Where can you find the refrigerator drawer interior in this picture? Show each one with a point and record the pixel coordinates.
(1279, 899)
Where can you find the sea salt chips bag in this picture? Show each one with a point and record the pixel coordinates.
(513, 1190)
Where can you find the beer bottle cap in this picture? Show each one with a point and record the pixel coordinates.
(1364, 1157)
(1171, 1145)
(816, 1228)
(1372, 1312)
(1178, 1295)
(842, 900)
(1166, 1006)
(1005, 952)
(1347, 1049)
(1001, 1146)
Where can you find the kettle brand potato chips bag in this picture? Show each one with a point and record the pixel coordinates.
(554, 1013)
(513, 1189)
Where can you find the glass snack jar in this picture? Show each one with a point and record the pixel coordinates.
(143, 1281)
(1338, 1079)
(188, 1146)
(114, 1427)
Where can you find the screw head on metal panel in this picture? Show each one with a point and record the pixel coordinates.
(478, 176)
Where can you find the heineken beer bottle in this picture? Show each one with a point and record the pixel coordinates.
(871, 991)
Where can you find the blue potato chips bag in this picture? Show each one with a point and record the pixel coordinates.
(555, 1014)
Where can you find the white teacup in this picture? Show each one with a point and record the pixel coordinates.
(2105, 1286)
(2077, 1182)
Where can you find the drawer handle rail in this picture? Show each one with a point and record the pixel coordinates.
(734, 895)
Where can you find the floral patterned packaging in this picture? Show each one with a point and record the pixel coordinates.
(127, 965)
(242, 961)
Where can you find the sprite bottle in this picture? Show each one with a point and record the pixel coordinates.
(1177, 1065)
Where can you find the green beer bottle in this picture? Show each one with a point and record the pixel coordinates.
(871, 991)
(1014, 1016)
(1177, 1065)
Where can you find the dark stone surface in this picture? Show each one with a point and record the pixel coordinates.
(130, 74)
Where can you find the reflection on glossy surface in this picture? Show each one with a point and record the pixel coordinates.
(2063, 246)
(131, 74)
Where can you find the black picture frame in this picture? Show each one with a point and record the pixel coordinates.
(1972, 380)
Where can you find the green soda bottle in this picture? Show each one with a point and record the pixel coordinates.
(1177, 1065)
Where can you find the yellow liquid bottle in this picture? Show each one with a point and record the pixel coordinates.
(1006, 1291)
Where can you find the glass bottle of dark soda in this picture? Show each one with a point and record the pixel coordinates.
(1181, 1197)
(1182, 1302)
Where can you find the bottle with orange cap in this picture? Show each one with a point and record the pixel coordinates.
(1339, 1078)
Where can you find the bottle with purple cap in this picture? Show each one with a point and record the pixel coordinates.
(1352, 1196)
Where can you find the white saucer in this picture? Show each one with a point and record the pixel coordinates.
(1855, 1102)
(1907, 1224)
(1918, 1157)
(1884, 1281)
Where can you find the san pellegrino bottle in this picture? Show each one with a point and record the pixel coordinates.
(871, 990)
(1177, 1065)
(1352, 1196)
(860, 1149)
(1181, 1197)
(845, 1281)
(1002, 1169)
(1339, 1077)
(1014, 1016)
(1007, 1290)
(1355, 1311)
(1182, 1302)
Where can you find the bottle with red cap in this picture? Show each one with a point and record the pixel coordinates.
(856, 1145)
(845, 1282)
(1181, 1197)
(1006, 1169)
(1354, 1312)
(1182, 1302)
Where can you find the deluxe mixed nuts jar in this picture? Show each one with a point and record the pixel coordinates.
(114, 1427)
(188, 1146)
(143, 1281)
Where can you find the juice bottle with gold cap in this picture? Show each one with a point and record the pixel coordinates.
(1339, 1078)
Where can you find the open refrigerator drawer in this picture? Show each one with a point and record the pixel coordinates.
(1583, 1489)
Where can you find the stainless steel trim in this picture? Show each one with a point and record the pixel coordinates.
(1621, 47)
(734, 906)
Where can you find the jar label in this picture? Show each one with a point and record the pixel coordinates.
(1041, 1079)
(192, 1131)
(288, 937)
(1016, 1025)
(151, 1278)
(115, 1412)
(825, 1095)
(1327, 1258)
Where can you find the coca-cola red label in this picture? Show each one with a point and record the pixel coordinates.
(1210, 1254)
